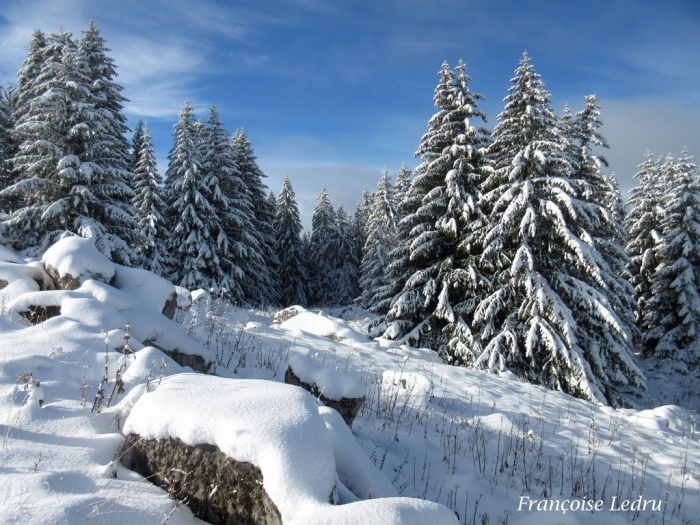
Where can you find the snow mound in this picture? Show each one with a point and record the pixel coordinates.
(8, 255)
(333, 384)
(78, 258)
(386, 511)
(272, 425)
(321, 325)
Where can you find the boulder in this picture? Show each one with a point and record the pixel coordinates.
(347, 407)
(286, 314)
(194, 361)
(216, 488)
(72, 260)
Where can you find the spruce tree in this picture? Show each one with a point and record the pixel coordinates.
(149, 205)
(324, 252)
(548, 317)
(381, 239)
(245, 259)
(290, 248)
(672, 319)
(346, 267)
(262, 288)
(642, 223)
(7, 144)
(198, 246)
(440, 207)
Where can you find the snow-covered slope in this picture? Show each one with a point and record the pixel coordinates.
(491, 449)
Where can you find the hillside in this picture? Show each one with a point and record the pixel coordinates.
(490, 448)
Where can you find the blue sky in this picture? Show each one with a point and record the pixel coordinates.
(330, 92)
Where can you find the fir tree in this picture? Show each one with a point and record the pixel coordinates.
(290, 248)
(198, 245)
(148, 203)
(323, 252)
(7, 144)
(262, 289)
(548, 318)
(439, 210)
(672, 319)
(61, 178)
(643, 226)
(381, 239)
(346, 268)
(237, 216)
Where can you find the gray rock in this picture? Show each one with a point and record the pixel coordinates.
(347, 407)
(217, 488)
(3, 284)
(69, 282)
(195, 362)
(170, 306)
(284, 315)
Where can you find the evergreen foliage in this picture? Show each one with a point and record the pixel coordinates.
(198, 246)
(672, 316)
(290, 248)
(262, 282)
(346, 266)
(149, 205)
(439, 211)
(381, 239)
(323, 252)
(549, 317)
(66, 178)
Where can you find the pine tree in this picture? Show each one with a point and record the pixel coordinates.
(290, 248)
(263, 288)
(198, 246)
(148, 203)
(324, 252)
(381, 239)
(136, 141)
(548, 318)
(439, 209)
(402, 186)
(672, 319)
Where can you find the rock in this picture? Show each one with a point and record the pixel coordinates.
(347, 407)
(217, 488)
(170, 306)
(3, 284)
(194, 361)
(39, 314)
(286, 314)
(72, 260)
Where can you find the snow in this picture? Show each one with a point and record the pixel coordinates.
(445, 439)
(287, 439)
(333, 384)
(79, 258)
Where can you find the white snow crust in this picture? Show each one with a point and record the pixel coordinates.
(272, 425)
(80, 258)
(333, 384)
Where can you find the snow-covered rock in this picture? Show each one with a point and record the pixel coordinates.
(337, 389)
(72, 260)
(271, 425)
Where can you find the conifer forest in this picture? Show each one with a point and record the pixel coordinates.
(509, 250)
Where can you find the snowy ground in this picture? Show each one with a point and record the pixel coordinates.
(492, 449)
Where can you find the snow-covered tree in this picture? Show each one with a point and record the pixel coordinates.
(324, 251)
(263, 286)
(149, 205)
(381, 239)
(642, 223)
(672, 319)
(290, 248)
(549, 317)
(64, 178)
(346, 267)
(402, 186)
(439, 211)
(7, 144)
(237, 216)
(198, 246)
